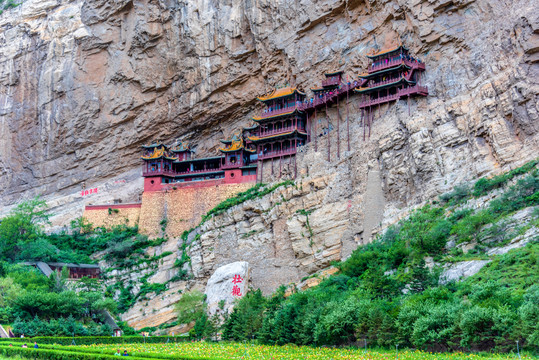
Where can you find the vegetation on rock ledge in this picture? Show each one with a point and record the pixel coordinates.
(386, 294)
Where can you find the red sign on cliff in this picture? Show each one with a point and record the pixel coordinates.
(88, 192)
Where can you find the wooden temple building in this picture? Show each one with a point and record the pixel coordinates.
(391, 75)
(169, 166)
(287, 121)
(75, 271)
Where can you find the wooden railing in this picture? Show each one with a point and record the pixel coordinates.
(194, 172)
(383, 66)
(395, 62)
(280, 131)
(380, 83)
(159, 172)
(278, 111)
(232, 166)
(416, 89)
(380, 100)
(330, 82)
(308, 105)
(271, 154)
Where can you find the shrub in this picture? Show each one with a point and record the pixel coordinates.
(458, 194)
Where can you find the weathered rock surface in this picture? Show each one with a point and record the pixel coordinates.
(462, 269)
(227, 284)
(84, 83)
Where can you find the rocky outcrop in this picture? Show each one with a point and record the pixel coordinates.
(227, 284)
(84, 83)
(461, 270)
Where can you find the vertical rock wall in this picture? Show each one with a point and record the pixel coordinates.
(84, 83)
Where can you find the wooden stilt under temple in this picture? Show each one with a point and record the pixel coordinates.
(328, 134)
(347, 122)
(338, 131)
(315, 132)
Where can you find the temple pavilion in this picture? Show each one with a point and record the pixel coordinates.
(281, 127)
(287, 122)
(239, 159)
(391, 75)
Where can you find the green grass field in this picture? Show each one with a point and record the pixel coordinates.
(202, 350)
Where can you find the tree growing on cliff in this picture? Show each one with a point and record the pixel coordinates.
(191, 307)
(22, 227)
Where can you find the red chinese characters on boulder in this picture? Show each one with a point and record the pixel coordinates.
(236, 291)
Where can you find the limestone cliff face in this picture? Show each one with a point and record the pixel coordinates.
(84, 83)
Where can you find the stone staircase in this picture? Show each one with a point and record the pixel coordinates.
(3, 332)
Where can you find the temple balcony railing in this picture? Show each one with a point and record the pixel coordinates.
(416, 89)
(272, 154)
(380, 83)
(275, 112)
(380, 100)
(385, 65)
(414, 64)
(411, 90)
(280, 131)
(319, 101)
(158, 173)
(194, 172)
(331, 82)
(232, 166)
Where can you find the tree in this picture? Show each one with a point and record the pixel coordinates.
(190, 307)
(21, 227)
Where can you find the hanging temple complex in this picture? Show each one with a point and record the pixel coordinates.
(182, 186)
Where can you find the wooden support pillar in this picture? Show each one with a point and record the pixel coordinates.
(347, 121)
(363, 121)
(315, 132)
(329, 140)
(371, 121)
(295, 167)
(262, 171)
(338, 131)
(280, 165)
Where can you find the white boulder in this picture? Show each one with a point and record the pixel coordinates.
(228, 283)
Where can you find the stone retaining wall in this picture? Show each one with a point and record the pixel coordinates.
(119, 214)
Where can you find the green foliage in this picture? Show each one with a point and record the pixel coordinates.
(484, 185)
(529, 316)
(21, 228)
(468, 227)
(8, 4)
(246, 318)
(90, 340)
(190, 307)
(306, 214)
(256, 192)
(58, 327)
(459, 193)
(386, 294)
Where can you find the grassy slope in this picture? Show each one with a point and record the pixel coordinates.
(386, 294)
